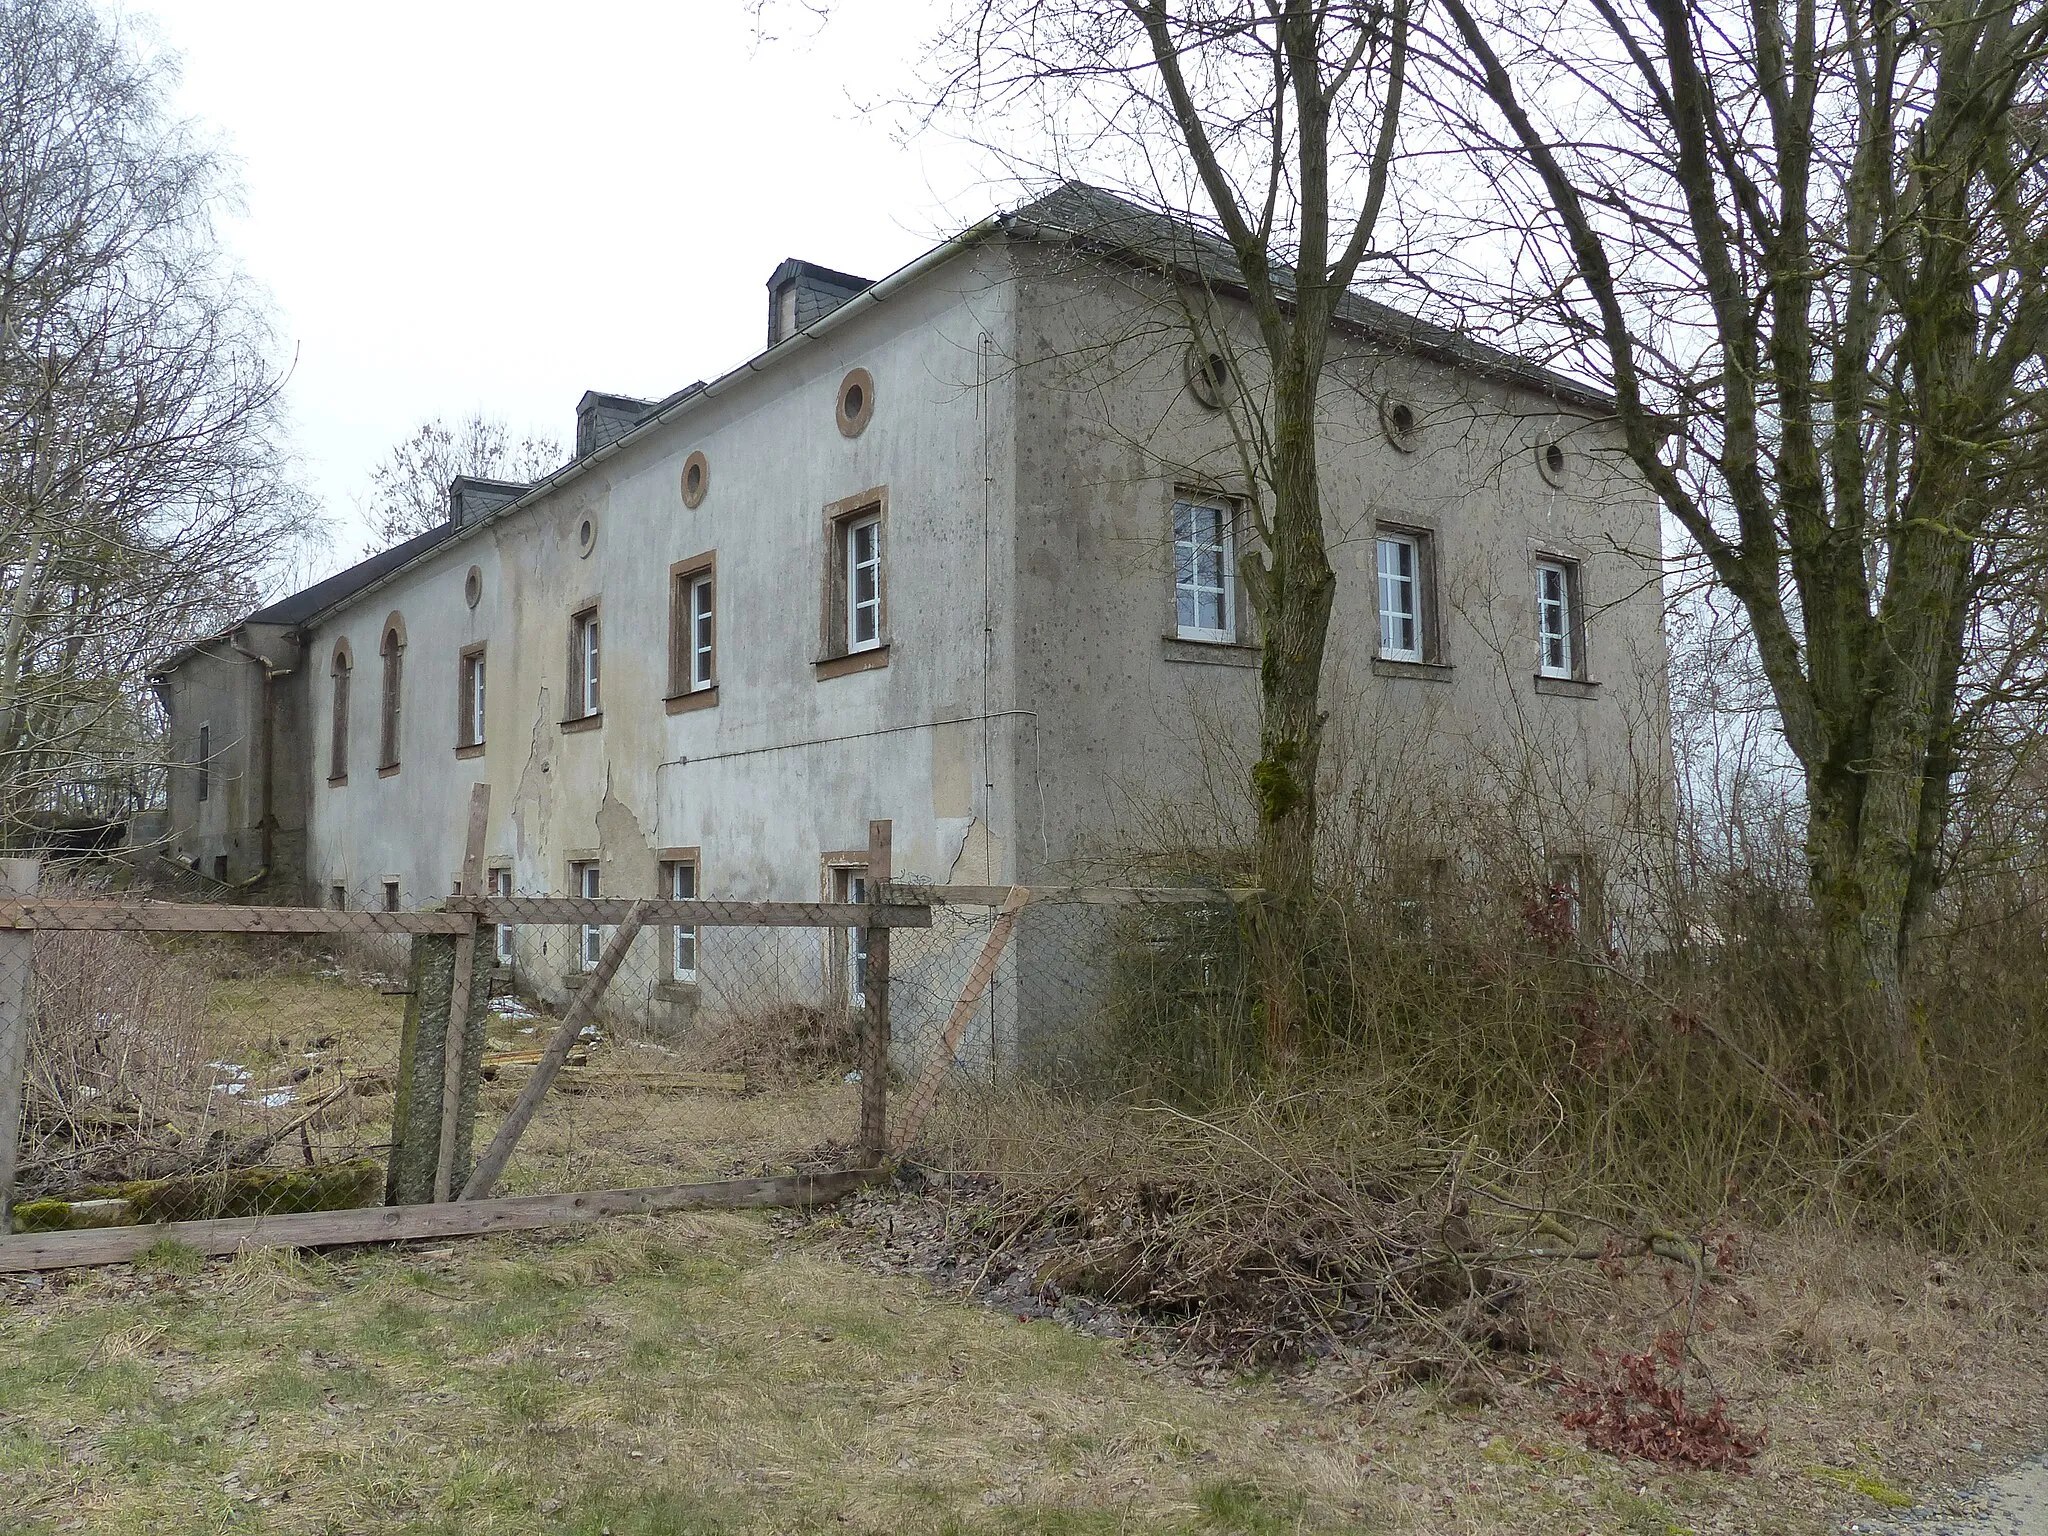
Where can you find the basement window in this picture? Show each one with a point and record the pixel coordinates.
(337, 897)
(679, 883)
(850, 884)
(390, 895)
(501, 887)
(590, 942)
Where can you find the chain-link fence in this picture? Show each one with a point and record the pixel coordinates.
(204, 1065)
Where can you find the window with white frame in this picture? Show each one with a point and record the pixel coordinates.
(590, 943)
(701, 633)
(850, 884)
(679, 880)
(469, 724)
(1204, 571)
(501, 887)
(863, 582)
(1400, 595)
(1555, 621)
(584, 696)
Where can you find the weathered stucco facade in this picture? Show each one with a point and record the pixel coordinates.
(1017, 412)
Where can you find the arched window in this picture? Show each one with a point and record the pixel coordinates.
(393, 651)
(337, 756)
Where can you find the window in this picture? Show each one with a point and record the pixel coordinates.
(1400, 571)
(390, 895)
(1204, 579)
(1557, 648)
(584, 698)
(856, 608)
(337, 743)
(692, 627)
(205, 761)
(501, 887)
(392, 649)
(864, 583)
(337, 897)
(851, 884)
(469, 722)
(679, 883)
(220, 869)
(583, 875)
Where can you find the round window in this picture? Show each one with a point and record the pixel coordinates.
(856, 402)
(1553, 461)
(696, 479)
(1399, 422)
(586, 535)
(473, 586)
(1209, 377)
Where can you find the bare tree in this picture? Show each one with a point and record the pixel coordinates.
(1283, 113)
(145, 495)
(409, 488)
(1802, 243)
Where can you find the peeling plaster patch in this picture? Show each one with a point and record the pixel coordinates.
(536, 787)
(625, 861)
(952, 843)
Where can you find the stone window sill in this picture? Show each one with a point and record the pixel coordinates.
(683, 703)
(388, 771)
(1566, 687)
(1423, 671)
(1215, 653)
(588, 722)
(869, 660)
(470, 749)
(675, 991)
(335, 781)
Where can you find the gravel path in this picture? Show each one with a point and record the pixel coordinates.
(2013, 1505)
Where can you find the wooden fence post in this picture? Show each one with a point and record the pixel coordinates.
(874, 1065)
(18, 878)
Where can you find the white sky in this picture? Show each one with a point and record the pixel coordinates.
(456, 206)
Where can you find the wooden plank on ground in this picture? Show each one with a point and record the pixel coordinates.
(178, 917)
(390, 1223)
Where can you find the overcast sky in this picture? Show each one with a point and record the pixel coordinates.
(458, 205)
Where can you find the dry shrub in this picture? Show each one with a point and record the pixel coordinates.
(118, 1076)
(1639, 1408)
(789, 1042)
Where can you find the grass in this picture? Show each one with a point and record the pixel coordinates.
(705, 1374)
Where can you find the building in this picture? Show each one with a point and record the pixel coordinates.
(957, 549)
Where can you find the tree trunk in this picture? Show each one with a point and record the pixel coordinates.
(1298, 587)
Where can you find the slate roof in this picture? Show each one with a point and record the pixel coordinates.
(1075, 212)
(1111, 225)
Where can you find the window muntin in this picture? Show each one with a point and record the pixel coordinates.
(205, 761)
(1204, 584)
(1554, 618)
(393, 652)
(1400, 587)
(679, 882)
(864, 582)
(470, 725)
(703, 633)
(501, 887)
(590, 943)
(337, 746)
(584, 682)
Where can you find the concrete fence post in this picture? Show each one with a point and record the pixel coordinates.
(18, 878)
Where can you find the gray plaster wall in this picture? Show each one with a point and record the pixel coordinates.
(788, 766)
(1145, 737)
